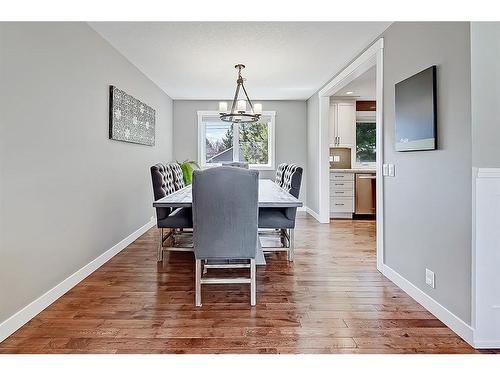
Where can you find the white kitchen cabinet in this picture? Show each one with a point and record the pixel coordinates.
(343, 124)
(342, 199)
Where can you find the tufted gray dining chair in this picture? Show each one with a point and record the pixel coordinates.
(283, 219)
(225, 211)
(166, 218)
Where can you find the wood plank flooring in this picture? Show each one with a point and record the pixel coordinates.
(330, 300)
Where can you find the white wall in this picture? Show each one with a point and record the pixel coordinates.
(68, 193)
(290, 132)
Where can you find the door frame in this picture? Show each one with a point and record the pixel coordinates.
(373, 56)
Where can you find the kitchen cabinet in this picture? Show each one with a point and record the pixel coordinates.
(343, 124)
(352, 191)
(341, 194)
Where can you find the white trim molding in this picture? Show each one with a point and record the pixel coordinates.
(16, 321)
(314, 214)
(456, 324)
(486, 259)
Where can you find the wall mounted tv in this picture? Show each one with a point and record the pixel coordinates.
(416, 112)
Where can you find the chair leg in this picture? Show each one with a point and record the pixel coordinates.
(253, 282)
(159, 254)
(291, 245)
(198, 282)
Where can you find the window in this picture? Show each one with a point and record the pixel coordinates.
(221, 142)
(365, 143)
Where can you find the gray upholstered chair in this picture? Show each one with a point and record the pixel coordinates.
(166, 218)
(284, 218)
(225, 211)
(177, 175)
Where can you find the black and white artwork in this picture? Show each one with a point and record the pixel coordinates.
(130, 120)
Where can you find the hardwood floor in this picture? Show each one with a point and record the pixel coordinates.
(330, 300)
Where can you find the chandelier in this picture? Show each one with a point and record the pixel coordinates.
(239, 113)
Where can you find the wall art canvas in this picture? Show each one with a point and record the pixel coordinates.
(130, 120)
(416, 112)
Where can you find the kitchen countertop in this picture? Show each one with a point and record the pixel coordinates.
(354, 170)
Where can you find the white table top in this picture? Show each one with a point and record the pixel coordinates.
(270, 195)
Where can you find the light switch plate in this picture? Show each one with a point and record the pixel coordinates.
(429, 278)
(331, 159)
(385, 170)
(391, 170)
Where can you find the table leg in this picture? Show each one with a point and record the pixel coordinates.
(291, 244)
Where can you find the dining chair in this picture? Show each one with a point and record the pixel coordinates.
(283, 219)
(225, 211)
(167, 218)
(279, 174)
(178, 176)
(238, 164)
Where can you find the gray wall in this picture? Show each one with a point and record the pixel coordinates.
(290, 132)
(485, 85)
(428, 204)
(312, 153)
(68, 193)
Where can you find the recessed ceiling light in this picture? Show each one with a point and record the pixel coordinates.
(350, 92)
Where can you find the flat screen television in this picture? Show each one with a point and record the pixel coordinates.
(416, 112)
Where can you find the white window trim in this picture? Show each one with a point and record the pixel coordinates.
(202, 144)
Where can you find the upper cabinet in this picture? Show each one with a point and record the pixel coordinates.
(343, 124)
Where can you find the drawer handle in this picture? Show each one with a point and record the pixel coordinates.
(340, 192)
(339, 204)
(339, 184)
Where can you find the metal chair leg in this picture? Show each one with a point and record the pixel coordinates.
(291, 245)
(198, 282)
(253, 286)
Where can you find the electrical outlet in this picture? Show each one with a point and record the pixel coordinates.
(331, 158)
(429, 278)
(336, 158)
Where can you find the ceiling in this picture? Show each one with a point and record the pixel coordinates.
(362, 88)
(284, 60)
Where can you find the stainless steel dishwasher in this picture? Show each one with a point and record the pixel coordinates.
(365, 194)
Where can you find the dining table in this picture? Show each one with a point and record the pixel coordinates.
(270, 195)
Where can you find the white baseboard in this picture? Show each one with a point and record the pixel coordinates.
(456, 324)
(16, 321)
(486, 344)
(313, 214)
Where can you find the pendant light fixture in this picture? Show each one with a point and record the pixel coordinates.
(239, 113)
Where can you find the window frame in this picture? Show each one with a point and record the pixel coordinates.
(202, 141)
(366, 164)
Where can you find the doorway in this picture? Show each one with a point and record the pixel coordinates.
(372, 58)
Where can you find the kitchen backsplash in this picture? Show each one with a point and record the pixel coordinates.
(343, 155)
